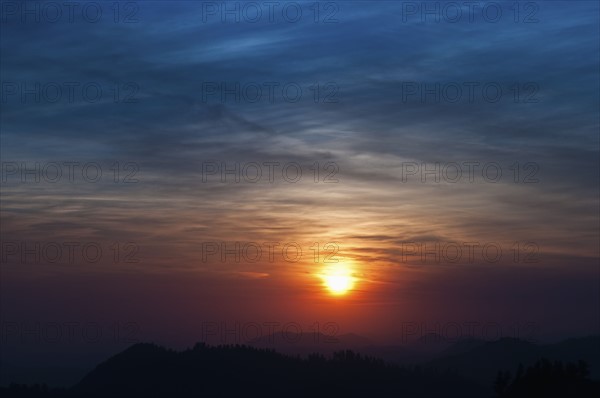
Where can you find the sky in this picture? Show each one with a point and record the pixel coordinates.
(172, 166)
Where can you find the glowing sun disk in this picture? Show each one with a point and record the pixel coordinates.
(338, 279)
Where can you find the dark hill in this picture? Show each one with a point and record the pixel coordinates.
(146, 370)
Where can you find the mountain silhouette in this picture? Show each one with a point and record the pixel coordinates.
(469, 368)
(304, 344)
(147, 370)
(462, 346)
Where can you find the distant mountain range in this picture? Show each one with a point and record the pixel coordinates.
(308, 343)
(478, 360)
(469, 355)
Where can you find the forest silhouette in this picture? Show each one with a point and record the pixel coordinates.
(148, 370)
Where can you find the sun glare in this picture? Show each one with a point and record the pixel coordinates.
(338, 279)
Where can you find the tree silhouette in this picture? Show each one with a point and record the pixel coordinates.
(547, 379)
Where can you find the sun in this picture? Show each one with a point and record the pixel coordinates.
(338, 279)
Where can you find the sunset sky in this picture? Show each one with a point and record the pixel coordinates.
(367, 94)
